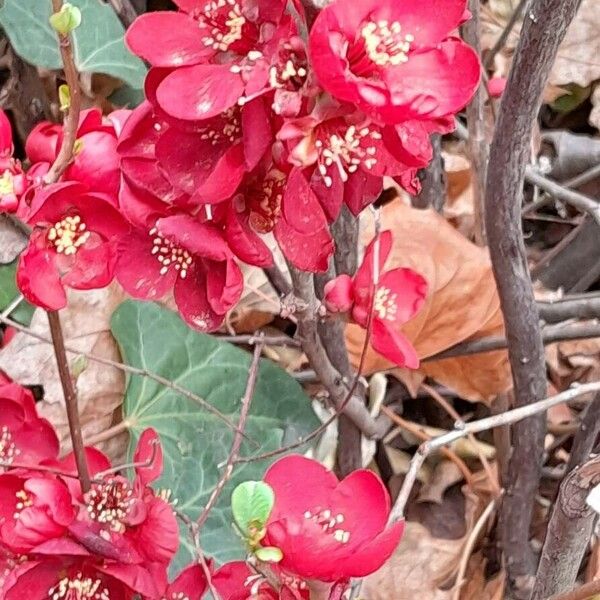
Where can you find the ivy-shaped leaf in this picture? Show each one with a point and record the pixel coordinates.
(98, 44)
(195, 441)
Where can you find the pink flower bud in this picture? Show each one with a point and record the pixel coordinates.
(339, 295)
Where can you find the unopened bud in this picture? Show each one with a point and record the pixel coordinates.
(66, 19)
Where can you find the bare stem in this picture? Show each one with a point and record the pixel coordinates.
(71, 123)
(585, 592)
(70, 399)
(543, 31)
(506, 418)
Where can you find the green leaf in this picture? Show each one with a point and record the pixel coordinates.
(194, 441)
(97, 43)
(9, 291)
(252, 503)
(270, 554)
(66, 20)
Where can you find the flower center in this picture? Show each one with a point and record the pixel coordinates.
(384, 43)
(226, 23)
(109, 503)
(264, 202)
(291, 69)
(68, 235)
(169, 254)
(6, 184)
(8, 449)
(79, 588)
(346, 150)
(329, 523)
(384, 304)
(23, 501)
(226, 128)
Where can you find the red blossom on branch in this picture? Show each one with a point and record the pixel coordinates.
(396, 61)
(73, 244)
(327, 529)
(398, 296)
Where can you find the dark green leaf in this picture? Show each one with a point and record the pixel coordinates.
(195, 441)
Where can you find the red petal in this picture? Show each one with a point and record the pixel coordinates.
(192, 302)
(338, 294)
(301, 206)
(225, 178)
(6, 142)
(167, 39)
(199, 92)
(300, 484)
(244, 242)
(38, 278)
(393, 345)
(256, 128)
(224, 285)
(363, 280)
(198, 238)
(410, 289)
(190, 583)
(42, 142)
(432, 84)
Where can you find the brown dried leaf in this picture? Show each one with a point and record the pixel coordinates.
(476, 587)
(578, 58)
(100, 389)
(423, 566)
(12, 241)
(574, 361)
(445, 475)
(462, 303)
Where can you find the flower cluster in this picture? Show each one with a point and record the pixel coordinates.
(115, 540)
(254, 126)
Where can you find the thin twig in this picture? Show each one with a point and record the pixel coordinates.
(258, 338)
(550, 335)
(506, 418)
(477, 145)
(131, 370)
(468, 548)
(71, 124)
(107, 434)
(237, 438)
(586, 306)
(70, 399)
(12, 306)
(425, 437)
(457, 419)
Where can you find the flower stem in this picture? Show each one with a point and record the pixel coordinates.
(70, 399)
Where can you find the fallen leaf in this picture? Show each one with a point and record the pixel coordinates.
(578, 58)
(476, 586)
(445, 475)
(462, 303)
(99, 388)
(423, 565)
(12, 241)
(459, 208)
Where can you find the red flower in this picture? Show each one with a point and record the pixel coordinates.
(73, 244)
(96, 162)
(329, 530)
(399, 295)
(25, 438)
(13, 184)
(181, 253)
(34, 508)
(64, 578)
(395, 60)
(350, 154)
(127, 521)
(218, 51)
(235, 581)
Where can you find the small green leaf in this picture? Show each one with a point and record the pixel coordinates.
(251, 504)
(270, 554)
(9, 291)
(64, 97)
(66, 20)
